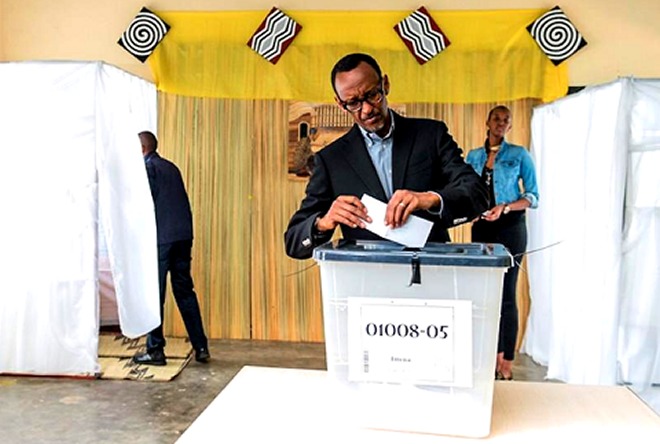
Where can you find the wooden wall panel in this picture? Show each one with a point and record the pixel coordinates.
(210, 140)
(285, 293)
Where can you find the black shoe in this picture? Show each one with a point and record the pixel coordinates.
(202, 355)
(156, 357)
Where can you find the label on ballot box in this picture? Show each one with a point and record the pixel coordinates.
(410, 341)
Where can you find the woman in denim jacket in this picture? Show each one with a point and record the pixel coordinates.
(503, 166)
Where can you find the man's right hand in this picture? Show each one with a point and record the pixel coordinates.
(347, 210)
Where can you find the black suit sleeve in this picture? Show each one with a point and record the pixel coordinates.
(301, 238)
(153, 182)
(463, 192)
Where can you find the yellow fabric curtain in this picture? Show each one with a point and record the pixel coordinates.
(492, 57)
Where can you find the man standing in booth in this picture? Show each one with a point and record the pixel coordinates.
(175, 238)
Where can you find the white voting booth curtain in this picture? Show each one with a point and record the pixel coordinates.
(639, 325)
(70, 160)
(595, 311)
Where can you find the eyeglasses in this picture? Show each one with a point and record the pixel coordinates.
(373, 97)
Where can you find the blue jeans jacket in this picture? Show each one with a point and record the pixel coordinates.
(512, 164)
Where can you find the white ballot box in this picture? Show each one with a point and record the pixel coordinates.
(411, 335)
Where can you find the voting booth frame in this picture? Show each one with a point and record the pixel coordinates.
(411, 335)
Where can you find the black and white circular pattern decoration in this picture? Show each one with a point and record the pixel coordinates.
(143, 34)
(557, 37)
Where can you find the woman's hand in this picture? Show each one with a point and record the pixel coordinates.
(493, 214)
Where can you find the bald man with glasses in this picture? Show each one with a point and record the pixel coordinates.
(413, 165)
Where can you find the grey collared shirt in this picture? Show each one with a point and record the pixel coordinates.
(380, 151)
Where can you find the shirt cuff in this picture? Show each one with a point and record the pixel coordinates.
(320, 236)
(438, 211)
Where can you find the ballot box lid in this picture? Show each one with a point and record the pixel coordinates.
(435, 254)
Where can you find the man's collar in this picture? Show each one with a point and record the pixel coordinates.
(374, 136)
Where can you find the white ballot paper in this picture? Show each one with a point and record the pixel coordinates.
(411, 234)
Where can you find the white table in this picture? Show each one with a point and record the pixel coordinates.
(275, 405)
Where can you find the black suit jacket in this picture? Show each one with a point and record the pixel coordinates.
(424, 158)
(173, 215)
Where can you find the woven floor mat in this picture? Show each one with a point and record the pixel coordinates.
(116, 353)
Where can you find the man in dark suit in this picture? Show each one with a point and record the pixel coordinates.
(175, 237)
(412, 164)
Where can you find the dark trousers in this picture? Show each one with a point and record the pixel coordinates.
(510, 230)
(175, 258)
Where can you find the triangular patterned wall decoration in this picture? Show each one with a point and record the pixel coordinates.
(274, 35)
(422, 35)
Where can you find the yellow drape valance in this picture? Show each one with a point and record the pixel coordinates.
(491, 58)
